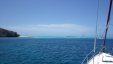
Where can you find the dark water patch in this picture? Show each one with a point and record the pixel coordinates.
(46, 51)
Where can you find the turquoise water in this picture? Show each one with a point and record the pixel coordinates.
(47, 50)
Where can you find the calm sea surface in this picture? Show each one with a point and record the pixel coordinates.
(47, 50)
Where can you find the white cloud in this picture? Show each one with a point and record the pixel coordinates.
(53, 30)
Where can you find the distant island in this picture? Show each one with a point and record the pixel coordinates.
(8, 33)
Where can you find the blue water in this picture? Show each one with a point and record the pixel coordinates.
(46, 50)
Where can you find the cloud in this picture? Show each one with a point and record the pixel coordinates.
(53, 30)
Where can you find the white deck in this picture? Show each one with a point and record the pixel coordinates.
(101, 58)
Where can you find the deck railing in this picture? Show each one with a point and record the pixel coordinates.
(87, 57)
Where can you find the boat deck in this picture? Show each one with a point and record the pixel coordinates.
(102, 58)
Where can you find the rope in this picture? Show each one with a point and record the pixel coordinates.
(86, 57)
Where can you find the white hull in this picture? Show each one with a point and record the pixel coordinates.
(101, 58)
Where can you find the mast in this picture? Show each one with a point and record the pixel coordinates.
(108, 20)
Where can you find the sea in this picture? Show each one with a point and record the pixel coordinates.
(48, 50)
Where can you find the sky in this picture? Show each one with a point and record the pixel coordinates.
(57, 18)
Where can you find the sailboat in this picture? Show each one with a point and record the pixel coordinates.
(102, 57)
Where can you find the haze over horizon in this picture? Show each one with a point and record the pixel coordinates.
(58, 18)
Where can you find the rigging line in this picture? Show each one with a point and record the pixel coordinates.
(96, 28)
(107, 25)
(95, 40)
